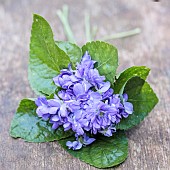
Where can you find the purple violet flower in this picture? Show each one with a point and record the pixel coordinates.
(85, 103)
(87, 140)
(76, 145)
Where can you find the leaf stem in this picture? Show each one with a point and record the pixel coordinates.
(94, 32)
(90, 32)
(87, 27)
(63, 16)
(122, 34)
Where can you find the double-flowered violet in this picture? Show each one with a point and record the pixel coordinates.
(86, 104)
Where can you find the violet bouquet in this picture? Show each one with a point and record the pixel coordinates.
(83, 103)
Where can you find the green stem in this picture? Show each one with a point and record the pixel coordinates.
(87, 27)
(63, 15)
(94, 32)
(122, 34)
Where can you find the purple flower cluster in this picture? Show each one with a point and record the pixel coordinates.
(85, 104)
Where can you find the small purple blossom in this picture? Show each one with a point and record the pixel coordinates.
(87, 140)
(86, 104)
(76, 145)
(80, 141)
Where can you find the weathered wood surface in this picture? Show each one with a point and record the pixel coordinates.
(149, 143)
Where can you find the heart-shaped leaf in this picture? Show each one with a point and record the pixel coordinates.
(104, 152)
(143, 99)
(46, 58)
(28, 126)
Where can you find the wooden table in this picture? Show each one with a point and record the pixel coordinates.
(149, 143)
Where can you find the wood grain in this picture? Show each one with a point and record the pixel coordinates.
(149, 143)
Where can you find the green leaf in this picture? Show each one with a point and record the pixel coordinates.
(46, 58)
(28, 126)
(140, 71)
(106, 56)
(143, 99)
(72, 50)
(104, 152)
